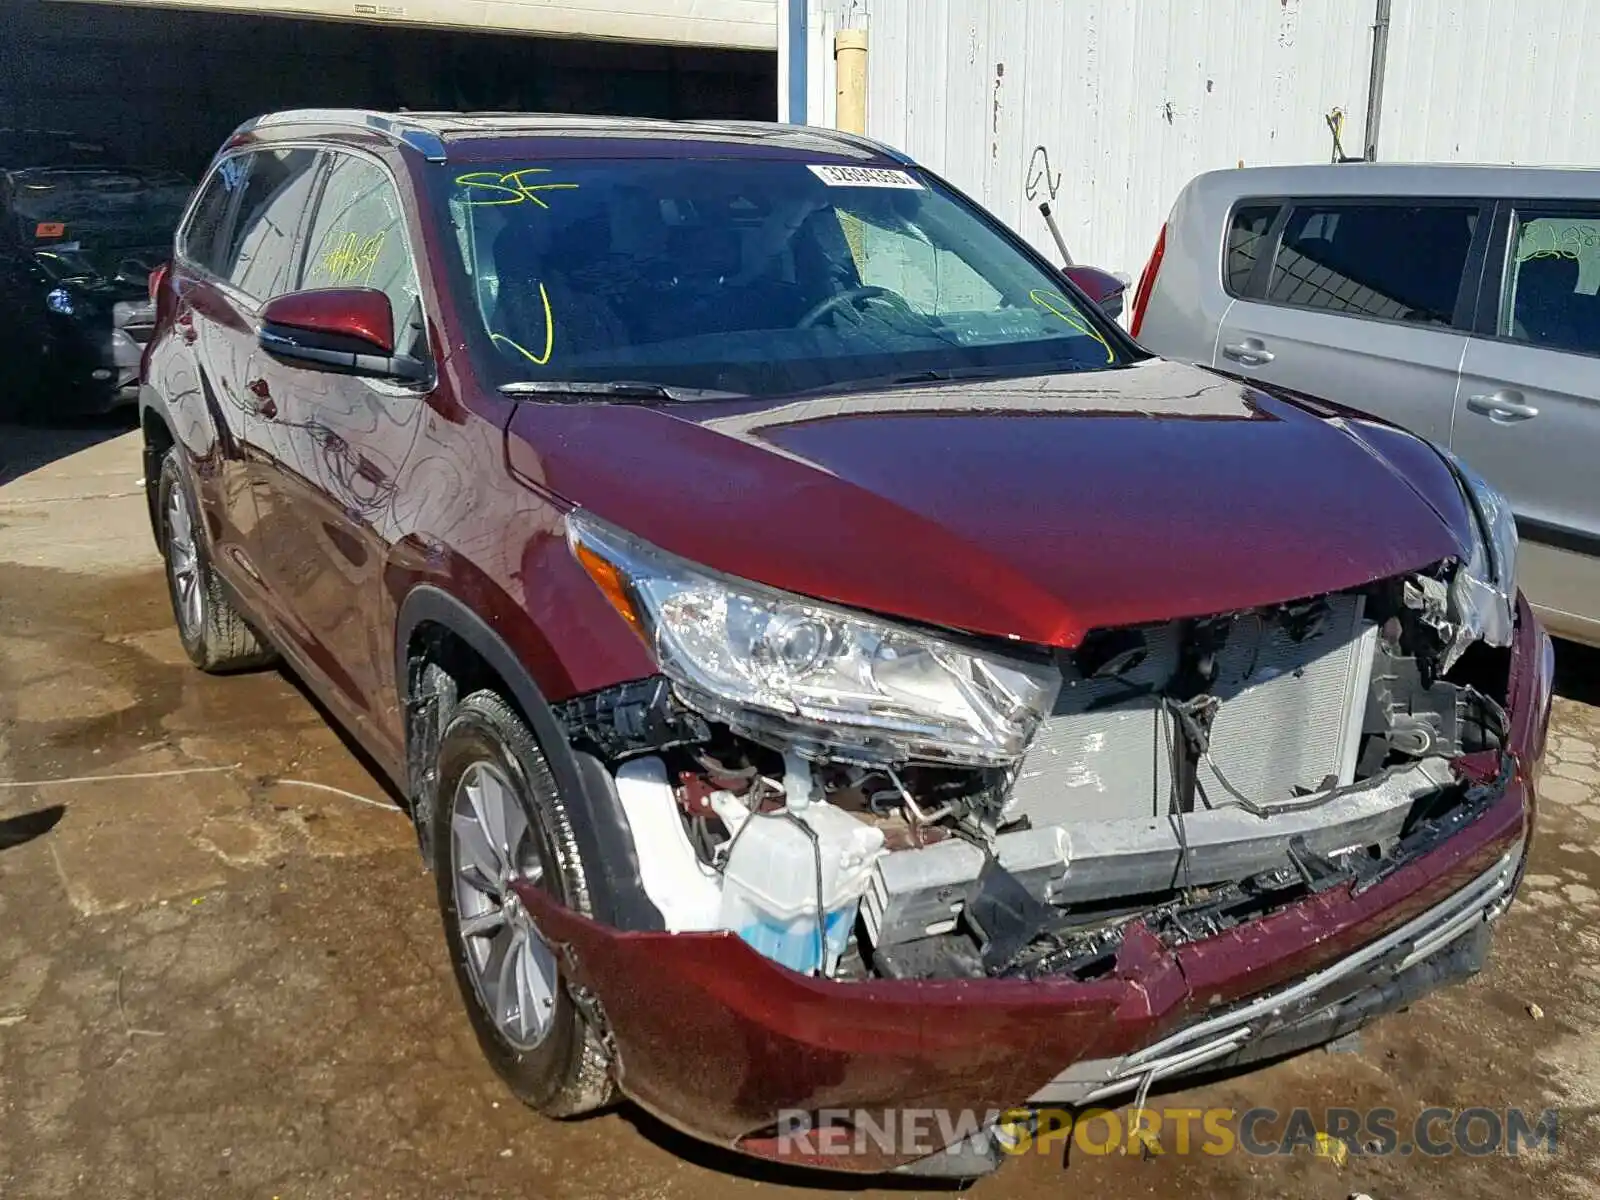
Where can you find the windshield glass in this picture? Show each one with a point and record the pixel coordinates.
(758, 277)
(88, 222)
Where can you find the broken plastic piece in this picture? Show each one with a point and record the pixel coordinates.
(1004, 916)
(673, 878)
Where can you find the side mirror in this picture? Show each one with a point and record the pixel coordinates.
(1104, 288)
(348, 330)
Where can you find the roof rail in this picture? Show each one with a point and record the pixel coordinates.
(839, 135)
(392, 125)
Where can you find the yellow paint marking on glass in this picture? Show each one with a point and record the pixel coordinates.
(1556, 238)
(549, 335)
(1049, 300)
(486, 189)
(352, 258)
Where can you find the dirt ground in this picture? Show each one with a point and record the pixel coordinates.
(221, 973)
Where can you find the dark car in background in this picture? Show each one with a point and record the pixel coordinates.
(829, 665)
(34, 147)
(78, 245)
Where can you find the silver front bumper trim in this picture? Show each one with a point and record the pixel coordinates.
(1099, 1079)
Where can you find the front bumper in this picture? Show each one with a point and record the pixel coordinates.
(92, 363)
(721, 1042)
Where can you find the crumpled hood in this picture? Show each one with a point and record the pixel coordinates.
(1035, 509)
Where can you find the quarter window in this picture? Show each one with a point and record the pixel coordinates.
(1394, 262)
(277, 188)
(1246, 234)
(1552, 288)
(358, 239)
(204, 238)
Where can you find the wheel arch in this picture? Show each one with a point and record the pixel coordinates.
(158, 440)
(436, 629)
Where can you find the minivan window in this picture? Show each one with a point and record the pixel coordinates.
(358, 239)
(261, 249)
(1552, 287)
(752, 276)
(1245, 232)
(1395, 262)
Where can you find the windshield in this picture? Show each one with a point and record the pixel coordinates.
(756, 277)
(88, 222)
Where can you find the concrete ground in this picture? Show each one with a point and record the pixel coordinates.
(221, 972)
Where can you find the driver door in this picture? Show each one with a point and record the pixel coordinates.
(344, 441)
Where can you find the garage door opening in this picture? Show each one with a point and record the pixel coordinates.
(166, 86)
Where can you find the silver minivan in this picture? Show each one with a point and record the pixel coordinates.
(1462, 302)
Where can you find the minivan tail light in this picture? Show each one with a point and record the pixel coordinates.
(1147, 282)
(157, 278)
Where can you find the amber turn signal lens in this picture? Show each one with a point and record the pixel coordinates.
(610, 582)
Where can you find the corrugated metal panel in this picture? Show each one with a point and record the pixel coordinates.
(1493, 81)
(733, 24)
(1108, 107)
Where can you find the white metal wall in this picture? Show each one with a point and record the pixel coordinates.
(1494, 81)
(1126, 100)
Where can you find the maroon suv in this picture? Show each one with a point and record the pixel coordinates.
(831, 668)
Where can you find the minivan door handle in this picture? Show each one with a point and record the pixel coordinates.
(1252, 352)
(1502, 407)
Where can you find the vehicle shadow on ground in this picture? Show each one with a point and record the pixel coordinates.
(26, 448)
(357, 751)
(24, 827)
(757, 1170)
(1577, 672)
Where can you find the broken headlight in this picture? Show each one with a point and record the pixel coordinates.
(842, 681)
(1483, 592)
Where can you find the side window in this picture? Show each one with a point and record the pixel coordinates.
(1396, 262)
(203, 239)
(277, 188)
(358, 239)
(1552, 285)
(1245, 233)
(935, 281)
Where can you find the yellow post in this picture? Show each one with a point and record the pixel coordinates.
(850, 69)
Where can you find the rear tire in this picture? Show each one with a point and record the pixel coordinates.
(497, 812)
(215, 636)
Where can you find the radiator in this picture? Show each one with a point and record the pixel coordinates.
(1289, 718)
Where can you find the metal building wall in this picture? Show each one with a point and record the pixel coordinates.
(1107, 107)
(1494, 81)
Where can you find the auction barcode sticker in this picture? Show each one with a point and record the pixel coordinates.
(881, 177)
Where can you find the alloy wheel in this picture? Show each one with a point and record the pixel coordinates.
(183, 562)
(492, 845)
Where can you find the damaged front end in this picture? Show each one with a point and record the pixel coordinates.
(996, 875)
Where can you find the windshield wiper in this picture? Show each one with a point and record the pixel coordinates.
(614, 389)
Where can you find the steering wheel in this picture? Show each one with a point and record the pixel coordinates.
(849, 296)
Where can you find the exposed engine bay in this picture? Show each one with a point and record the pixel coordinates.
(1194, 774)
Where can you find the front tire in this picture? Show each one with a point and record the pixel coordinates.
(215, 636)
(498, 816)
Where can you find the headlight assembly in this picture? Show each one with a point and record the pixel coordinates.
(1483, 593)
(60, 300)
(844, 682)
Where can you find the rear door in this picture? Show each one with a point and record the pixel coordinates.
(1364, 302)
(1528, 418)
(191, 367)
(252, 261)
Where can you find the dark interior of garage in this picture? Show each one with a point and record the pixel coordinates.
(168, 85)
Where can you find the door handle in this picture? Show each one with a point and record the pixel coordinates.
(1503, 407)
(264, 404)
(1252, 352)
